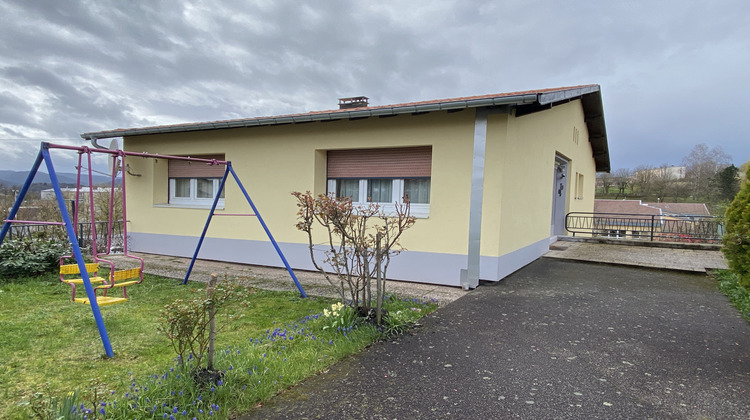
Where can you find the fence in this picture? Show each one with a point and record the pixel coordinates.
(42, 230)
(672, 228)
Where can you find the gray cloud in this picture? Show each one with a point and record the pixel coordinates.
(671, 72)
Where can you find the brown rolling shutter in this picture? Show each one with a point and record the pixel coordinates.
(187, 169)
(405, 162)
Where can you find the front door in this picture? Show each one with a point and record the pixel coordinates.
(559, 196)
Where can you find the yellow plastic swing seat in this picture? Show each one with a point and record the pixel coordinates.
(102, 300)
(71, 269)
(119, 276)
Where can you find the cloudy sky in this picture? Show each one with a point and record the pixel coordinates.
(673, 73)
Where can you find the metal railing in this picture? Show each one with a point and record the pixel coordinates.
(43, 230)
(671, 228)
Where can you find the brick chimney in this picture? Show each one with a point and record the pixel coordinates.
(354, 102)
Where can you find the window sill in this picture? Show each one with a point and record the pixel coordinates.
(219, 206)
(418, 211)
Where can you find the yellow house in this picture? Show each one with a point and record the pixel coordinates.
(490, 178)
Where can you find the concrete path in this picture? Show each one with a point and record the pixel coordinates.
(557, 339)
(270, 278)
(680, 259)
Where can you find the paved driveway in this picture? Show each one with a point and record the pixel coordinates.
(557, 339)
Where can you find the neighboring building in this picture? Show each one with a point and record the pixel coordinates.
(681, 209)
(665, 221)
(70, 193)
(632, 225)
(672, 173)
(490, 178)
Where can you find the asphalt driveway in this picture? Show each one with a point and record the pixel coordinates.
(556, 339)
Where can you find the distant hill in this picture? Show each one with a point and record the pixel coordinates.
(17, 178)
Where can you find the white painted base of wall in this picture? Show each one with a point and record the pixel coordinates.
(420, 267)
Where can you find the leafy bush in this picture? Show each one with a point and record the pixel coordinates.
(737, 238)
(30, 257)
(738, 295)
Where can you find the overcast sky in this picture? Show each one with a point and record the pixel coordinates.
(673, 73)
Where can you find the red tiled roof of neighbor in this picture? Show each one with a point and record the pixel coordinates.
(623, 206)
(692, 209)
(344, 112)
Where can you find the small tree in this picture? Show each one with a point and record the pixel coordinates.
(353, 234)
(737, 238)
(727, 182)
(189, 324)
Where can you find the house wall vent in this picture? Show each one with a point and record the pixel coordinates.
(354, 102)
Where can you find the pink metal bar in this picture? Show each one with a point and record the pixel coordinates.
(87, 149)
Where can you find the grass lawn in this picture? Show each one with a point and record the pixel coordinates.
(51, 347)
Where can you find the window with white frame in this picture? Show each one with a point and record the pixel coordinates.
(195, 183)
(383, 176)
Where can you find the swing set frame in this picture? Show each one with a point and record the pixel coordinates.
(44, 156)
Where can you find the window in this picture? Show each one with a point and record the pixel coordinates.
(383, 176)
(380, 190)
(617, 233)
(194, 191)
(579, 186)
(195, 183)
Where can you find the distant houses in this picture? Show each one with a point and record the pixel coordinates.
(70, 193)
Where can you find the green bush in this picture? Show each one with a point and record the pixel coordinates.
(30, 257)
(737, 238)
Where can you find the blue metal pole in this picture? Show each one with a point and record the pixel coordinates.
(77, 251)
(21, 195)
(208, 222)
(268, 232)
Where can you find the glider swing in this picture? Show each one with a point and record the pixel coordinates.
(87, 274)
(117, 278)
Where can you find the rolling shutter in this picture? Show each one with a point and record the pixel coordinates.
(405, 162)
(187, 169)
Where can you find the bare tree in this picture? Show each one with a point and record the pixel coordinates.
(360, 241)
(663, 181)
(622, 179)
(606, 181)
(701, 165)
(643, 179)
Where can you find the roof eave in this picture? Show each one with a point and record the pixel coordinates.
(590, 96)
(594, 116)
(323, 116)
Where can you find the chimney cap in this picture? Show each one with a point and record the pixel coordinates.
(353, 102)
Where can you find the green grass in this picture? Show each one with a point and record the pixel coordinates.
(51, 347)
(729, 283)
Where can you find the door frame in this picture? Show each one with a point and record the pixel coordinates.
(560, 177)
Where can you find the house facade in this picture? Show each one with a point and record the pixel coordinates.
(490, 179)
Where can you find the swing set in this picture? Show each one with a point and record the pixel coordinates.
(87, 274)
